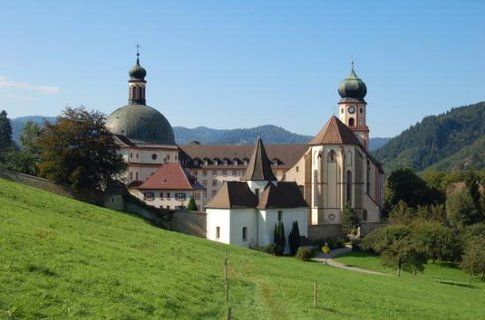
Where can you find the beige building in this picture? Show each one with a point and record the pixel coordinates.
(337, 170)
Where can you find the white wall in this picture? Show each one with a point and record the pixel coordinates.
(240, 218)
(269, 218)
(218, 218)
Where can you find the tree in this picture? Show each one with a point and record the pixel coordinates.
(398, 248)
(28, 157)
(350, 220)
(474, 258)
(294, 238)
(404, 185)
(461, 210)
(192, 206)
(439, 241)
(5, 134)
(79, 151)
(279, 237)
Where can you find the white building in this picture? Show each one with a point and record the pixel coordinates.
(246, 212)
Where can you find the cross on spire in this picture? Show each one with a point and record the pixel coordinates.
(138, 46)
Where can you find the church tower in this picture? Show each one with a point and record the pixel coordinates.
(137, 83)
(352, 106)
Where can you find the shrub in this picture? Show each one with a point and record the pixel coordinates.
(350, 220)
(357, 245)
(474, 258)
(192, 206)
(279, 236)
(439, 241)
(272, 249)
(461, 210)
(294, 238)
(304, 253)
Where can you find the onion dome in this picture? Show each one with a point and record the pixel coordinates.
(137, 72)
(352, 87)
(141, 124)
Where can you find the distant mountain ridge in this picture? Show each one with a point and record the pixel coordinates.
(452, 140)
(270, 133)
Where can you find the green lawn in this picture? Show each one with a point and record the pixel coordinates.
(61, 259)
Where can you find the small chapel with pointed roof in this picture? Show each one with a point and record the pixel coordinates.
(246, 212)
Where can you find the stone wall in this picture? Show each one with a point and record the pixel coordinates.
(193, 223)
(321, 231)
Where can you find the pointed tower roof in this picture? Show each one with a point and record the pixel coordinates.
(335, 132)
(259, 167)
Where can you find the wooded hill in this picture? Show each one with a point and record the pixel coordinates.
(449, 141)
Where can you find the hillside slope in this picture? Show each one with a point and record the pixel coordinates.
(436, 138)
(61, 259)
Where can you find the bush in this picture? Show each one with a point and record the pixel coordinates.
(357, 245)
(272, 249)
(439, 241)
(331, 242)
(294, 238)
(279, 236)
(304, 253)
(350, 221)
(474, 258)
(192, 206)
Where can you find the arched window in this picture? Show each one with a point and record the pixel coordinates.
(133, 92)
(315, 187)
(349, 188)
(351, 122)
(364, 215)
(367, 178)
(140, 92)
(331, 156)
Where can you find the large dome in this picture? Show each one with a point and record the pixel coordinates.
(352, 87)
(141, 123)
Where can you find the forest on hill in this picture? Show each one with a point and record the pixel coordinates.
(450, 141)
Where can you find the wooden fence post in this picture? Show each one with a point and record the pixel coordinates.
(315, 294)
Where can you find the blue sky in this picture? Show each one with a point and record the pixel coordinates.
(233, 64)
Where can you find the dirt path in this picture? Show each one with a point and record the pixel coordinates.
(320, 257)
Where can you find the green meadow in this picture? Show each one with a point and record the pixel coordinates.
(64, 259)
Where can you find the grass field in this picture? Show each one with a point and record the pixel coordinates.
(62, 259)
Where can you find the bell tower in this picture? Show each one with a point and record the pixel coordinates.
(137, 83)
(352, 106)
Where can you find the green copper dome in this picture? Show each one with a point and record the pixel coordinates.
(137, 72)
(352, 87)
(141, 124)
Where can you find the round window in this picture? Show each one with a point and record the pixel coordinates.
(331, 217)
(154, 156)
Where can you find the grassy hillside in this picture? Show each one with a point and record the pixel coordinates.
(436, 138)
(60, 258)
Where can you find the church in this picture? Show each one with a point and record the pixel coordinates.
(330, 172)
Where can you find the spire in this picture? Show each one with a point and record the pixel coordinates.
(352, 71)
(259, 167)
(138, 54)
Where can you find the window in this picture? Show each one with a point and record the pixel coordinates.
(224, 172)
(204, 173)
(137, 155)
(149, 196)
(168, 157)
(196, 162)
(218, 232)
(280, 216)
(342, 110)
(133, 92)
(175, 157)
(168, 195)
(364, 215)
(367, 189)
(131, 155)
(136, 176)
(297, 168)
(256, 191)
(214, 183)
(234, 172)
(349, 187)
(182, 196)
(140, 93)
(131, 175)
(351, 122)
(361, 110)
(245, 234)
(331, 156)
(154, 156)
(161, 195)
(214, 172)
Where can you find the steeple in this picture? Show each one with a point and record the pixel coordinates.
(137, 83)
(259, 167)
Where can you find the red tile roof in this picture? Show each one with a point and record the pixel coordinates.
(335, 132)
(170, 176)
